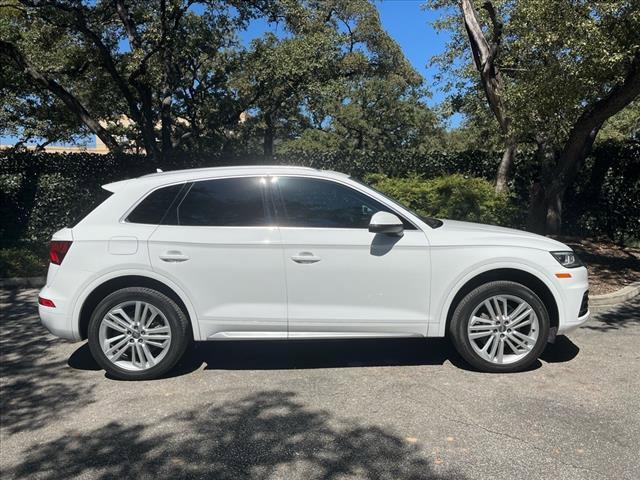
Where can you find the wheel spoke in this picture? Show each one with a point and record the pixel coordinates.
(113, 339)
(520, 343)
(489, 308)
(115, 357)
(494, 348)
(114, 348)
(516, 311)
(114, 325)
(119, 321)
(523, 337)
(522, 323)
(475, 320)
(513, 348)
(477, 328)
(501, 350)
(147, 353)
(475, 336)
(522, 316)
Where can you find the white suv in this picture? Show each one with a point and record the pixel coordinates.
(297, 253)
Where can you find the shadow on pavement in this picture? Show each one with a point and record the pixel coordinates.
(562, 350)
(263, 435)
(37, 386)
(307, 354)
(624, 315)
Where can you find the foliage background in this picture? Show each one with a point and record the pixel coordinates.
(42, 192)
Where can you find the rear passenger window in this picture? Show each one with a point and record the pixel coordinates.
(153, 208)
(227, 202)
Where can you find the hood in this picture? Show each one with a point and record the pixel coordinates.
(454, 232)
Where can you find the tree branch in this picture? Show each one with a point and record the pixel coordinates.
(129, 26)
(11, 52)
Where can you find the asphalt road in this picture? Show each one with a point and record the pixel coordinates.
(397, 409)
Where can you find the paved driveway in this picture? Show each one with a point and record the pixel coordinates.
(345, 409)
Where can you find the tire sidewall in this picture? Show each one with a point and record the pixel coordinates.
(462, 317)
(175, 317)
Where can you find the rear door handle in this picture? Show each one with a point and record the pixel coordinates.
(173, 256)
(305, 257)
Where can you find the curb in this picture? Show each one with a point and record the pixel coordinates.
(19, 282)
(600, 303)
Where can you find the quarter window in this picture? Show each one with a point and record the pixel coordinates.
(311, 202)
(153, 208)
(227, 202)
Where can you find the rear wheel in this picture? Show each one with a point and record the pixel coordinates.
(500, 326)
(137, 333)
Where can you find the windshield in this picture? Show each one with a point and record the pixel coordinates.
(432, 222)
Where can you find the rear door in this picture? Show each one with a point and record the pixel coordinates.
(342, 279)
(218, 242)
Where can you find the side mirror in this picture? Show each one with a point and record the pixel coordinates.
(385, 222)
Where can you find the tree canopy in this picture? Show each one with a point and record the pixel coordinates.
(178, 73)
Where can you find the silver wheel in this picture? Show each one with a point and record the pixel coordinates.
(134, 335)
(503, 329)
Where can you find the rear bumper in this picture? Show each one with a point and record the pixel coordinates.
(57, 319)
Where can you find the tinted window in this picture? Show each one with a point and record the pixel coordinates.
(154, 207)
(230, 202)
(310, 202)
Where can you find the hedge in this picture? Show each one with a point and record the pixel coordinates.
(42, 192)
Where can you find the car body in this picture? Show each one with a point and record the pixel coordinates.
(263, 261)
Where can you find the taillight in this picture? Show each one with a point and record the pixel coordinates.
(58, 250)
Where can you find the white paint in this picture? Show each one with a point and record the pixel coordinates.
(278, 282)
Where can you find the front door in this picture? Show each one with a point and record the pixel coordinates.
(343, 280)
(218, 243)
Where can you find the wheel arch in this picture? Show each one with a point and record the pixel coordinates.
(103, 288)
(528, 279)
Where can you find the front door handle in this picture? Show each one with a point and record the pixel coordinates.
(173, 256)
(305, 257)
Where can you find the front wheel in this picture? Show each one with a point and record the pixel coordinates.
(137, 333)
(500, 326)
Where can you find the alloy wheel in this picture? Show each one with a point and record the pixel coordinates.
(503, 329)
(134, 335)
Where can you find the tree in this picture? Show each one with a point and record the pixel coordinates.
(567, 68)
(311, 84)
(161, 64)
(485, 57)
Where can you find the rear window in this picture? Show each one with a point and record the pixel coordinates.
(153, 208)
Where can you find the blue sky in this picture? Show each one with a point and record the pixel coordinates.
(408, 23)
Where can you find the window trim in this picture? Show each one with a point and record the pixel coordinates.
(279, 203)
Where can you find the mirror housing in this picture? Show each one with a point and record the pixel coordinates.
(385, 222)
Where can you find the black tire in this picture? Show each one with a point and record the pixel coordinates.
(462, 316)
(178, 323)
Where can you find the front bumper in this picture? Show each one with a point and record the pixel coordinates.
(570, 326)
(575, 293)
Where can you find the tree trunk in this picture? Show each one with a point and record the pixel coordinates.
(506, 164)
(546, 200)
(485, 54)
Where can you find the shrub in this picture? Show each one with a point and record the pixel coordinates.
(23, 261)
(456, 197)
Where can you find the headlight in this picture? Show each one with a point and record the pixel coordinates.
(567, 259)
